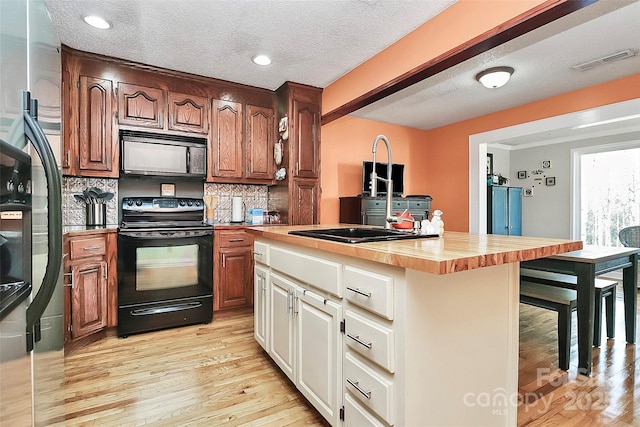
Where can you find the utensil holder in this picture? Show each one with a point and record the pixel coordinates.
(96, 214)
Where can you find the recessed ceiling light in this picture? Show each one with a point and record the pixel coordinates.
(262, 60)
(97, 22)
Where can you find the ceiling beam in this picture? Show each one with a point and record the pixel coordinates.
(503, 33)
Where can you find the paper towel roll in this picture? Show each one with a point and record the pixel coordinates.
(237, 209)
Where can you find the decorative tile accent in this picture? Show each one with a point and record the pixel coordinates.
(254, 196)
(74, 211)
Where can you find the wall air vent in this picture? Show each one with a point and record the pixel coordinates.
(607, 59)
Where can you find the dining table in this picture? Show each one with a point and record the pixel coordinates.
(586, 264)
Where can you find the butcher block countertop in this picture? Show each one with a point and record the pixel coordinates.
(453, 252)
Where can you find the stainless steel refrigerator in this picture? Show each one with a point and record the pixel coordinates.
(31, 304)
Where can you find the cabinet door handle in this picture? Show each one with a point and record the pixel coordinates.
(236, 240)
(356, 385)
(289, 301)
(263, 279)
(357, 339)
(70, 285)
(104, 269)
(257, 253)
(358, 291)
(92, 270)
(224, 261)
(295, 305)
(90, 248)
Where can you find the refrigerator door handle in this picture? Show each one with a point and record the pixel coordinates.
(34, 133)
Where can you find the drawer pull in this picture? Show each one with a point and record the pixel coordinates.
(356, 385)
(359, 341)
(257, 253)
(90, 248)
(93, 270)
(236, 240)
(358, 291)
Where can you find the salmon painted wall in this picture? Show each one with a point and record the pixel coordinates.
(447, 150)
(462, 21)
(437, 160)
(346, 142)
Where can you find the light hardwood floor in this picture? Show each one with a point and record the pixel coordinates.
(210, 375)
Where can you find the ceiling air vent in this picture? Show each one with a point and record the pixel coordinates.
(604, 60)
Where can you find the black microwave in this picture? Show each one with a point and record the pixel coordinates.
(151, 154)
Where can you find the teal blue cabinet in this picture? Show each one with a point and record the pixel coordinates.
(504, 210)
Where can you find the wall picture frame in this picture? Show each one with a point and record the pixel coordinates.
(522, 174)
(489, 164)
(550, 180)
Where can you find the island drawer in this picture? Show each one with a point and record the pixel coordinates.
(357, 416)
(320, 273)
(261, 253)
(371, 291)
(370, 388)
(370, 339)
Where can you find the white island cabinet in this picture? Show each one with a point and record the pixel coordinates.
(372, 336)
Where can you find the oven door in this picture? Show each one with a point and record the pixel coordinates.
(165, 278)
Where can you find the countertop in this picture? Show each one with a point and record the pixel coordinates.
(76, 230)
(453, 252)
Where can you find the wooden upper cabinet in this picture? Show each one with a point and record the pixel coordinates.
(140, 106)
(226, 140)
(97, 140)
(259, 152)
(306, 139)
(188, 113)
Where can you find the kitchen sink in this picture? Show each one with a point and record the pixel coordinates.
(359, 234)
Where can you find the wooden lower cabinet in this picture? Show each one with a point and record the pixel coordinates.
(233, 269)
(88, 298)
(90, 295)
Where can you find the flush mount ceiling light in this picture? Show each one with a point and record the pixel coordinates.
(495, 77)
(261, 60)
(97, 22)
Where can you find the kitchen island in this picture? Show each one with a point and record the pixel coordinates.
(411, 332)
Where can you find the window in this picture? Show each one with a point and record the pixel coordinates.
(607, 191)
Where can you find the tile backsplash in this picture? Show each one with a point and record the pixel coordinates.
(74, 211)
(254, 196)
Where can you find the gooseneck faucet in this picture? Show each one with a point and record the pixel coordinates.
(374, 179)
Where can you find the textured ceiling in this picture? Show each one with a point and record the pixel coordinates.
(317, 41)
(542, 59)
(310, 41)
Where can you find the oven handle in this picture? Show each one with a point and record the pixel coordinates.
(165, 309)
(164, 235)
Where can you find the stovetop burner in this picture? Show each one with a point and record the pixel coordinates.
(162, 212)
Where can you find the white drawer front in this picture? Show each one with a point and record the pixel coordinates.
(356, 416)
(372, 340)
(261, 252)
(322, 274)
(371, 389)
(370, 291)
